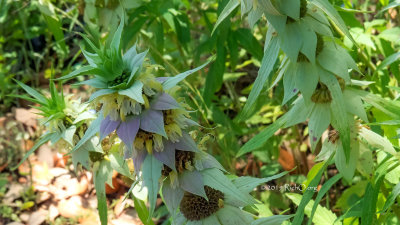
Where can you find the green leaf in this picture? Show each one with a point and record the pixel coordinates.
(306, 80)
(96, 83)
(290, 8)
(278, 22)
(272, 220)
(102, 175)
(90, 132)
(339, 113)
(304, 205)
(42, 140)
(53, 22)
(389, 60)
(232, 5)
(214, 79)
(269, 8)
(368, 204)
(312, 174)
(289, 82)
(68, 135)
(173, 81)
(393, 4)
(267, 64)
(320, 119)
(100, 93)
(134, 92)
(81, 71)
(323, 216)
(217, 180)
(298, 113)
(329, 58)
(27, 98)
(375, 140)
(346, 166)
(389, 107)
(354, 105)
(118, 163)
(249, 42)
(32, 92)
(233, 216)
(291, 40)
(324, 189)
(365, 164)
(115, 43)
(309, 42)
(261, 138)
(143, 213)
(81, 155)
(325, 6)
(391, 198)
(151, 173)
(86, 115)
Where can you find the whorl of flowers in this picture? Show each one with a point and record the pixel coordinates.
(65, 119)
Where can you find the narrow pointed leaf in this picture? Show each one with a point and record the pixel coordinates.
(339, 113)
(326, 6)
(81, 71)
(306, 80)
(232, 5)
(267, 64)
(173, 81)
(320, 119)
(42, 140)
(41, 98)
(90, 132)
(151, 173)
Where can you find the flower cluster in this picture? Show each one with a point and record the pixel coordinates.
(65, 119)
(138, 117)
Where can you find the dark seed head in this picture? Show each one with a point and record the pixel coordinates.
(195, 207)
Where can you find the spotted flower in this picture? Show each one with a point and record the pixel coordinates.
(131, 100)
(220, 204)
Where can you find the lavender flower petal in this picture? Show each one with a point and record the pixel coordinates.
(153, 121)
(186, 143)
(164, 101)
(138, 160)
(107, 126)
(127, 131)
(167, 156)
(192, 181)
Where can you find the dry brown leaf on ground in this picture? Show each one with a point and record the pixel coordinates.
(27, 117)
